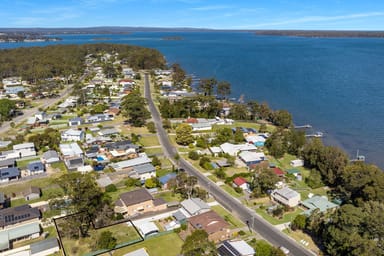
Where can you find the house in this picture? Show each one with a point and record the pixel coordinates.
(19, 214)
(104, 181)
(41, 116)
(7, 163)
(257, 140)
(45, 247)
(36, 167)
(108, 132)
(98, 118)
(212, 223)
(32, 193)
(85, 168)
(195, 206)
(166, 178)
(7, 174)
(242, 183)
(138, 202)
(278, 172)
(250, 158)
(235, 248)
(139, 252)
(205, 126)
(112, 111)
(297, 163)
(18, 233)
(147, 229)
(143, 172)
(286, 196)
(73, 135)
(128, 164)
(3, 201)
(234, 149)
(50, 156)
(316, 202)
(75, 121)
(73, 156)
(215, 151)
(24, 150)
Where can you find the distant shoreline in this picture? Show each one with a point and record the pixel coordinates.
(321, 33)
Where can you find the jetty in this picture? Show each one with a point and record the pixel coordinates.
(315, 135)
(306, 126)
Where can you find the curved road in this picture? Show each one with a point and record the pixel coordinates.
(265, 229)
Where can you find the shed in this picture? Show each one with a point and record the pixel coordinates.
(32, 193)
(147, 229)
(297, 163)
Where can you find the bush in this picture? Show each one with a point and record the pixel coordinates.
(204, 160)
(151, 127)
(220, 173)
(110, 188)
(156, 161)
(314, 179)
(241, 232)
(238, 190)
(193, 155)
(130, 182)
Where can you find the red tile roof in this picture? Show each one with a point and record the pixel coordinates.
(239, 181)
(191, 121)
(278, 171)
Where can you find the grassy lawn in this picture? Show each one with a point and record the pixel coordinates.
(159, 246)
(230, 191)
(169, 196)
(122, 232)
(51, 230)
(162, 172)
(59, 165)
(298, 235)
(274, 221)
(22, 164)
(150, 140)
(234, 222)
(153, 151)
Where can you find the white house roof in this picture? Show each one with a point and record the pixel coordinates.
(23, 146)
(248, 156)
(287, 193)
(194, 205)
(73, 132)
(255, 138)
(142, 159)
(144, 168)
(239, 247)
(72, 149)
(139, 252)
(233, 149)
(215, 150)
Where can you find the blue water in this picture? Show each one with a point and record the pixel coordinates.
(334, 84)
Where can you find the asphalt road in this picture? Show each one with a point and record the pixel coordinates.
(258, 224)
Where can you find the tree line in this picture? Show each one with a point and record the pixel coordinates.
(34, 63)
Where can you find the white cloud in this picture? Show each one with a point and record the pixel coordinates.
(211, 8)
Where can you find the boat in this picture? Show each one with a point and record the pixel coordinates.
(315, 135)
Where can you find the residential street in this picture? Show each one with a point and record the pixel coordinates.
(262, 227)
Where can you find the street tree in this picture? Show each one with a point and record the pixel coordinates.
(184, 134)
(197, 243)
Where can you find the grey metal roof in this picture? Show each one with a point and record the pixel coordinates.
(144, 168)
(50, 154)
(179, 216)
(10, 216)
(7, 162)
(35, 166)
(194, 205)
(9, 172)
(44, 245)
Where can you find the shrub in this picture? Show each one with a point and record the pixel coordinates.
(193, 155)
(110, 188)
(241, 232)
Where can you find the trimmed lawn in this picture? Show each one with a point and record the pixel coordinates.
(153, 151)
(169, 196)
(150, 140)
(274, 221)
(298, 235)
(230, 191)
(164, 245)
(234, 222)
(22, 164)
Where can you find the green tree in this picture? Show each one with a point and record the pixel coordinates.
(178, 74)
(156, 161)
(193, 155)
(265, 180)
(133, 107)
(238, 136)
(184, 134)
(314, 179)
(282, 118)
(299, 222)
(239, 111)
(223, 89)
(86, 200)
(106, 240)
(151, 127)
(151, 183)
(6, 108)
(208, 85)
(197, 243)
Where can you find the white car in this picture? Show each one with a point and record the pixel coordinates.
(284, 250)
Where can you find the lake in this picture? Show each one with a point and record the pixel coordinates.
(334, 84)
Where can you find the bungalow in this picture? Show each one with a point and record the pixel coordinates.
(216, 227)
(242, 183)
(75, 121)
(143, 172)
(112, 111)
(72, 155)
(73, 135)
(24, 149)
(317, 202)
(98, 118)
(234, 149)
(7, 163)
(22, 232)
(108, 132)
(127, 164)
(201, 126)
(49, 157)
(195, 206)
(297, 163)
(235, 248)
(45, 247)
(166, 178)
(32, 193)
(138, 202)
(7, 174)
(250, 158)
(286, 196)
(36, 167)
(257, 140)
(215, 151)
(17, 215)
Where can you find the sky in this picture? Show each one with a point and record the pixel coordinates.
(214, 14)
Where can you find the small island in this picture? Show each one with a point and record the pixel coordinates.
(172, 38)
(16, 37)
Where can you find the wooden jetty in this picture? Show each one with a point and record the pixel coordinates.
(306, 126)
